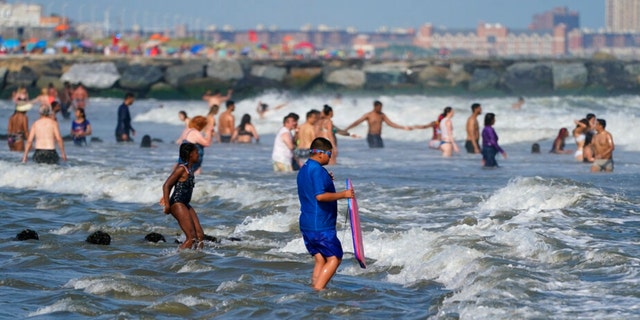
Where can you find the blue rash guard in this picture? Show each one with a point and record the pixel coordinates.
(313, 179)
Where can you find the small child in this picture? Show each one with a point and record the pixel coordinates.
(319, 211)
(182, 182)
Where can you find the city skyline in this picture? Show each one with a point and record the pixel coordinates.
(294, 14)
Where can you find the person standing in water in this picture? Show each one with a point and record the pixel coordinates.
(448, 144)
(490, 147)
(375, 119)
(80, 128)
(18, 127)
(226, 123)
(124, 130)
(46, 133)
(178, 204)
(473, 130)
(603, 148)
(319, 212)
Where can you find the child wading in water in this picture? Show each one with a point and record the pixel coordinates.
(319, 211)
(182, 182)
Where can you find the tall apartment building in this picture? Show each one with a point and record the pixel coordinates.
(622, 15)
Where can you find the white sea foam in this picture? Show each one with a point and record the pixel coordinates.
(116, 283)
(64, 305)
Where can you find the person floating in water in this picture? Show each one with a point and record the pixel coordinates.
(319, 211)
(178, 204)
(262, 108)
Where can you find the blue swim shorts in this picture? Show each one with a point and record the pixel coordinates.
(324, 242)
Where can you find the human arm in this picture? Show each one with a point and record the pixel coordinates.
(234, 136)
(357, 122)
(58, 137)
(87, 131)
(254, 132)
(393, 124)
(228, 96)
(490, 138)
(27, 146)
(425, 126)
(175, 176)
(288, 140)
(345, 132)
(333, 196)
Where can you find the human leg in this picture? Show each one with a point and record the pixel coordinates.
(447, 149)
(181, 213)
(324, 270)
(197, 227)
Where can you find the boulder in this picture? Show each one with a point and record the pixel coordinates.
(632, 69)
(269, 72)
(611, 76)
(385, 75)
(178, 75)
(350, 78)
(225, 70)
(52, 68)
(483, 79)
(299, 78)
(569, 76)
(529, 77)
(99, 75)
(24, 77)
(434, 76)
(3, 75)
(140, 77)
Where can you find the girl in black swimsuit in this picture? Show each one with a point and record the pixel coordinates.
(182, 182)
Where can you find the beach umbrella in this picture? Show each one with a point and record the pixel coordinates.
(86, 43)
(303, 45)
(41, 44)
(196, 48)
(61, 27)
(62, 43)
(151, 43)
(11, 43)
(155, 36)
(245, 51)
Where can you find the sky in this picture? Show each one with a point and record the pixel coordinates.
(363, 15)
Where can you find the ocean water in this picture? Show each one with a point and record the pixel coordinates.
(540, 237)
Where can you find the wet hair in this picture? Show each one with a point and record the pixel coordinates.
(563, 132)
(583, 121)
(213, 109)
(230, 103)
(446, 111)
(321, 144)
(590, 116)
(127, 96)
(81, 110)
(27, 234)
(535, 148)
(183, 113)
(327, 109)
(377, 103)
(295, 117)
(489, 119)
(312, 112)
(146, 141)
(154, 237)
(56, 106)
(185, 151)
(99, 237)
(246, 118)
(198, 123)
(603, 123)
(475, 106)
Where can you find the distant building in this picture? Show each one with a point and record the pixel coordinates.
(494, 40)
(560, 15)
(20, 15)
(622, 15)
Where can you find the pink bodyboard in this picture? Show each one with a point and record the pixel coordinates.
(356, 232)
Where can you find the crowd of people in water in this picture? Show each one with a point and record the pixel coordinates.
(305, 148)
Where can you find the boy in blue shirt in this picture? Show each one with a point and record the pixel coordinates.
(319, 211)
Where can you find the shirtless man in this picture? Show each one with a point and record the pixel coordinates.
(603, 148)
(226, 123)
(46, 133)
(80, 96)
(473, 129)
(375, 119)
(518, 104)
(216, 98)
(305, 135)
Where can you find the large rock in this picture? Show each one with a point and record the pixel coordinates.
(178, 75)
(483, 79)
(611, 76)
(435, 76)
(269, 72)
(24, 77)
(225, 70)
(350, 78)
(529, 77)
(632, 69)
(3, 75)
(385, 75)
(569, 76)
(100, 75)
(140, 77)
(299, 78)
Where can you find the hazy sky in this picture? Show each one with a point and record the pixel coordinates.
(364, 15)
